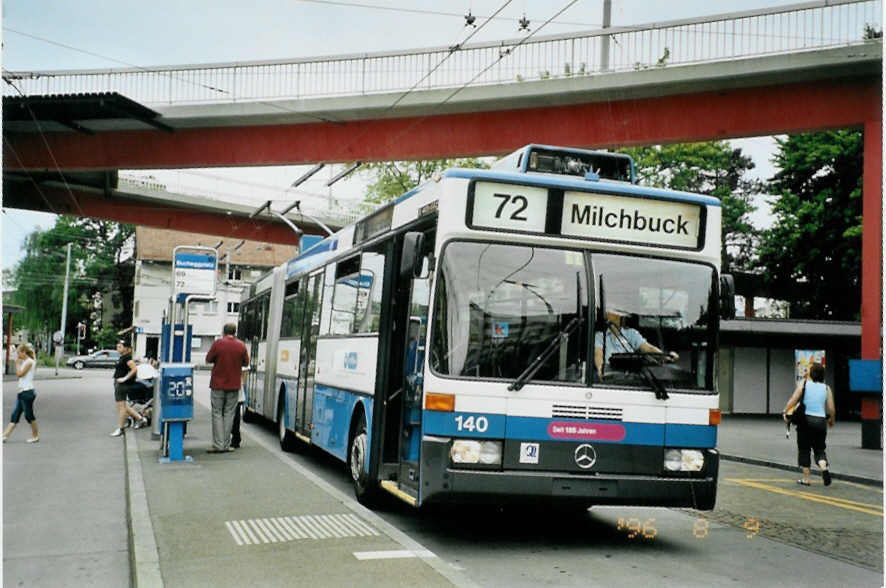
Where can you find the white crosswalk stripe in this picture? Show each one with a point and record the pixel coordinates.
(293, 528)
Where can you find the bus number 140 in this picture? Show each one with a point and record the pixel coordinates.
(471, 423)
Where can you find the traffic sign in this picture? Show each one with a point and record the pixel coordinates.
(195, 273)
(58, 337)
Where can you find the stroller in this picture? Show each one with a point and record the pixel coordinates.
(141, 392)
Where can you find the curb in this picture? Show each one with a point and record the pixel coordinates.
(793, 468)
(144, 561)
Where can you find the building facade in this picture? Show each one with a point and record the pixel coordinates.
(239, 265)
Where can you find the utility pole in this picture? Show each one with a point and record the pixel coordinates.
(604, 50)
(61, 344)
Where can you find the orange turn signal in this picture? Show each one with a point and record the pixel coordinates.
(714, 416)
(441, 402)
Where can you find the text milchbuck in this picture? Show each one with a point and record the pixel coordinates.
(631, 219)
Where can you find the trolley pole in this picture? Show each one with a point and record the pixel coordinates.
(61, 345)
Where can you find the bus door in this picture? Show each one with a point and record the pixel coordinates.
(249, 331)
(409, 348)
(310, 331)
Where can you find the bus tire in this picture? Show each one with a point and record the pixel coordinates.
(365, 489)
(287, 438)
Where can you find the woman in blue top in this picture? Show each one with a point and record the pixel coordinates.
(819, 401)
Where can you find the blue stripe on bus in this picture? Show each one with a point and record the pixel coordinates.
(690, 436)
(498, 426)
(568, 183)
(332, 410)
(463, 424)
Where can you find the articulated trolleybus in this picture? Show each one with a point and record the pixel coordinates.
(542, 330)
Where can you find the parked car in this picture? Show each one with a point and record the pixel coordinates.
(100, 358)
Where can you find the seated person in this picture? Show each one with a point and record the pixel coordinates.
(621, 339)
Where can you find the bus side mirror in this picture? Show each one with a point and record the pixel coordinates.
(727, 297)
(411, 260)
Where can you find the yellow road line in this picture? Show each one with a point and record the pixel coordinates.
(793, 481)
(839, 503)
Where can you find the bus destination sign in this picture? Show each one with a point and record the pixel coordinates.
(588, 215)
(616, 218)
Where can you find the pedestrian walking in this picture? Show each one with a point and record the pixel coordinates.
(25, 366)
(124, 377)
(228, 357)
(812, 431)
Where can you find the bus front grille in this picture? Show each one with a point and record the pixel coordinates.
(585, 411)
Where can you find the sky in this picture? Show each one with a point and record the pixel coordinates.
(52, 35)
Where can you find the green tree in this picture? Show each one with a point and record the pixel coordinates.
(100, 264)
(715, 169)
(394, 178)
(816, 238)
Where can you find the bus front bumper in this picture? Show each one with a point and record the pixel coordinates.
(442, 483)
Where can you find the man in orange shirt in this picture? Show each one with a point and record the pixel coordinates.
(228, 357)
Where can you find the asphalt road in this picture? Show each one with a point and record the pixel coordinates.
(765, 531)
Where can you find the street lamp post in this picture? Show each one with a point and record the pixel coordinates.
(61, 344)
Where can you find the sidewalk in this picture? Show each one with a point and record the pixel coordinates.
(760, 440)
(257, 517)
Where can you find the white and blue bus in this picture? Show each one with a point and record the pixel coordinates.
(543, 330)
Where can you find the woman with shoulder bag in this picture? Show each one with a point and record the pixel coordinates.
(25, 365)
(811, 434)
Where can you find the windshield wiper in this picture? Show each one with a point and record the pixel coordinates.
(545, 355)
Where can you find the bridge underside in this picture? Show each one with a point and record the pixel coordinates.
(743, 112)
(853, 102)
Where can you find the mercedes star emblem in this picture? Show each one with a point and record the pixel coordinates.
(585, 456)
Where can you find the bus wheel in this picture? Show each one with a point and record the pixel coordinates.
(287, 439)
(365, 489)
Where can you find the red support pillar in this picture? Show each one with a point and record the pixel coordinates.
(872, 242)
(872, 277)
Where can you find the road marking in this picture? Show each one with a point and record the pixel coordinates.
(285, 529)
(396, 554)
(792, 481)
(872, 509)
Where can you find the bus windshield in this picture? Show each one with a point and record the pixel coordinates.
(659, 322)
(498, 307)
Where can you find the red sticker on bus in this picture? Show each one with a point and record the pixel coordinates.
(586, 431)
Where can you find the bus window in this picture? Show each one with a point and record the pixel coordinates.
(293, 312)
(661, 309)
(372, 271)
(328, 290)
(344, 299)
(498, 307)
(265, 308)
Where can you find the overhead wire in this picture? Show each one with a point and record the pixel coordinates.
(428, 12)
(437, 106)
(453, 50)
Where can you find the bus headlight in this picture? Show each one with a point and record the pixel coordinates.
(466, 451)
(683, 460)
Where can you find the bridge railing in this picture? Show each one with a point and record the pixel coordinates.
(798, 27)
